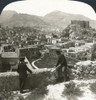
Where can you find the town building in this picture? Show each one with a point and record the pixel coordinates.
(31, 52)
(9, 61)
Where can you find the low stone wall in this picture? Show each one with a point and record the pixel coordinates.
(10, 80)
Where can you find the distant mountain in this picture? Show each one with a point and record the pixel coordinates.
(62, 19)
(51, 21)
(21, 20)
(6, 15)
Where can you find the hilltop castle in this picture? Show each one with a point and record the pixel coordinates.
(83, 24)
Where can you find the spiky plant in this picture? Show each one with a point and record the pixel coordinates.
(71, 91)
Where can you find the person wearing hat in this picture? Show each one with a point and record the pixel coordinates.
(22, 70)
(61, 67)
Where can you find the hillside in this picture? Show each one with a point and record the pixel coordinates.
(72, 90)
(6, 15)
(24, 20)
(53, 20)
(75, 31)
(62, 19)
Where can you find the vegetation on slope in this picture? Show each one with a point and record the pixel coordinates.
(48, 61)
(71, 91)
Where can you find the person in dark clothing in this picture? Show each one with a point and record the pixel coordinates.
(61, 67)
(22, 70)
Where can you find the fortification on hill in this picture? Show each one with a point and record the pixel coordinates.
(83, 24)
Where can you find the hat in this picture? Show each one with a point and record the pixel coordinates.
(22, 58)
(58, 51)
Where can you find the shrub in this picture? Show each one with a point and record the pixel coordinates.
(6, 90)
(38, 94)
(42, 90)
(71, 91)
(93, 87)
(16, 96)
(42, 78)
(10, 95)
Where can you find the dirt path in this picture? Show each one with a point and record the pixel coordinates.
(33, 63)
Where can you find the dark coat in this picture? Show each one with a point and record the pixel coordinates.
(22, 70)
(62, 74)
(62, 61)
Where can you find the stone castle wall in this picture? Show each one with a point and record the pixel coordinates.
(84, 24)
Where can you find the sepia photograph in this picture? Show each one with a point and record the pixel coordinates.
(48, 50)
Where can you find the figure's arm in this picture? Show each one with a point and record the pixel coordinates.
(18, 69)
(58, 63)
(61, 62)
(65, 62)
(28, 70)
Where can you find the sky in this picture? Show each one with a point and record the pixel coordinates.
(43, 7)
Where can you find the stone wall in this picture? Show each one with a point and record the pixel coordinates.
(84, 24)
(10, 80)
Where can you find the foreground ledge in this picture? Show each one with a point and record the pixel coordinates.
(10, 80)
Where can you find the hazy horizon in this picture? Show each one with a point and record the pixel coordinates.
(43, 7)
(46, 13)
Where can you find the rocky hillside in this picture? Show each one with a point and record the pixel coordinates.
(75, 31)
(73, 90)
